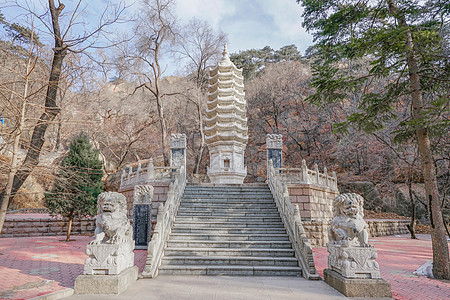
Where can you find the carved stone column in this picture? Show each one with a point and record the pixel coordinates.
(178, 150)
(142, 212)
(274, 145)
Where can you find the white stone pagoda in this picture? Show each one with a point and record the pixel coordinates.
(226, 131)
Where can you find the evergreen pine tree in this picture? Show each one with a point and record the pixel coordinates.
(78, 183)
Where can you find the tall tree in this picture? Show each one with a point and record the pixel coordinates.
(201, 46)
(63, 43)
(78, 183)
(404, 43)
(155, 32)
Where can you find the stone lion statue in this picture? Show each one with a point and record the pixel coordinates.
(348, 223)
(112, 225)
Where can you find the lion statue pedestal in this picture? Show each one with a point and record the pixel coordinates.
(352, 268)
(109, 269)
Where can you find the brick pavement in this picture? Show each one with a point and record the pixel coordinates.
(398, 257)
(35, 266)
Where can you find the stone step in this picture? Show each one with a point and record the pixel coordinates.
(213, 215)
(227, 189)
(230, 230)
(228, 244)
(230, 237)
(256, 252)
(230, 270)
(229, 203)
(211, 205)
(227, 196)
(214, 224)
(218, 210)
(234, 219)
(230, 260)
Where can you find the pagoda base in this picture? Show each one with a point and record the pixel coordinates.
(226, 178)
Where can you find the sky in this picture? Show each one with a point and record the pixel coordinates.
(249, 24)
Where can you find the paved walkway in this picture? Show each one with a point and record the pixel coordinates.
(33, 267)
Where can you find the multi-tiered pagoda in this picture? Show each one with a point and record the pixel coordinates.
(226, 123)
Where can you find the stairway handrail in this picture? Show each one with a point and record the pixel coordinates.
(164, 222)
(290, 214)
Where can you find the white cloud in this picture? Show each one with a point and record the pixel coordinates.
(212, 11)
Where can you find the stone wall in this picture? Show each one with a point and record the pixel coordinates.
(317, 232)
(315, 202)
(160, 190)
(45, 226)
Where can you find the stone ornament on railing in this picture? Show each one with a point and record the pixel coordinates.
(349, 251)
(111, 251)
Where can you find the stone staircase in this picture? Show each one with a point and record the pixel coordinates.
(229, 230)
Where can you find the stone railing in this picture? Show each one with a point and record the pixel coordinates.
(291, 218)
(145, 172)
(164, 222)
(307, 176)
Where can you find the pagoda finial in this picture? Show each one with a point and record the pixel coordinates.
(225, 56)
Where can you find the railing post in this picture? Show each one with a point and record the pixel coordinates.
(150, 170)
(305, 171)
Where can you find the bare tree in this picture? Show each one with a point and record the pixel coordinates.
(63, 43)
(155, 32)
(201, 47)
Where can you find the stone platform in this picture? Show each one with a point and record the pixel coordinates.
(106, 284)
(355, 287)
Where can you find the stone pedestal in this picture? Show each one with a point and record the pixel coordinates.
(106, 284)
(353, 262)
(356, 287)
(108, 259)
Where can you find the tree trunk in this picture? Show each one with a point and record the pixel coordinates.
(69, 228)
(50, 112)
(441, 260)
(198, 160)
(162, 122)
(411, 226)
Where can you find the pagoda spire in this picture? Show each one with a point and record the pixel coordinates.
(226, 132)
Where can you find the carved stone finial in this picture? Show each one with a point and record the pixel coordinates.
(177, 140)
(274, 141)
(143, 194)
(225, 55)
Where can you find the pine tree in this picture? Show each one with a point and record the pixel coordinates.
(78, 183)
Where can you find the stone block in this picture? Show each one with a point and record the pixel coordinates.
(303, 199)
(351, 287)
(295, 191)
(106, 284)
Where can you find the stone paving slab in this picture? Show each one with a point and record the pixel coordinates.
(37, 266)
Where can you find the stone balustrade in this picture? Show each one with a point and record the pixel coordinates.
(145, 172)
(164, 222)
(290, 215)
(304, 175)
